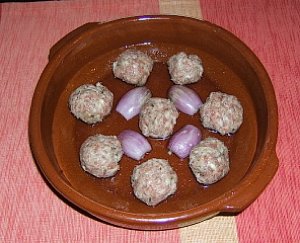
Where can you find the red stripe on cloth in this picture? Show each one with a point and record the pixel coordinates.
(271, 30)
(30, 211)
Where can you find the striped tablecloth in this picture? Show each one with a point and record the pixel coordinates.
(31, 212)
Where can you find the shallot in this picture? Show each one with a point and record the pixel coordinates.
(131, 103)
(134, 144)
(184, 140)
(185, 99)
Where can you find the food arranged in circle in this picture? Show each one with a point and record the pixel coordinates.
(209, 161)
(185, 69)
(133, 67)
(155, 180)
(100, 155)
(222, 113)
(91, 103)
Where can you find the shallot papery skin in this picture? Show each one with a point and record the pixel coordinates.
(131, 103)
(184, 140)
(134, 144)
(185, 99)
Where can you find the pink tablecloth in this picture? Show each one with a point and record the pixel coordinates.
(31, 212)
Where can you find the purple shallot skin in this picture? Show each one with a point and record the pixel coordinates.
(185, 99)
(184, 140)
(131, 103)
(134, 144)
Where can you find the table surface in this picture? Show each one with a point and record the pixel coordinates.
(31, 212)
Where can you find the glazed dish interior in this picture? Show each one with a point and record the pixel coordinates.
(90, 59)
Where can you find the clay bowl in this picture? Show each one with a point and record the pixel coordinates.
(86, 56)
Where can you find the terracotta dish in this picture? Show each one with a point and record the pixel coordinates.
(86, 56)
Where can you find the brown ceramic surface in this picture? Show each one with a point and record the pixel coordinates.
(86, 56)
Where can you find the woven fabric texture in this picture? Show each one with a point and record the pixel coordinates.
(31, 212)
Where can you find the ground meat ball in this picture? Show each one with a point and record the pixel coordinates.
(100, 155)
(133, 67)
(222, 113)
(209, 161)
(91, 103)
(158, 118)
(153, 181)
(185, 69)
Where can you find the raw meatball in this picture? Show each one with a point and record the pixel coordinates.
(185, 69)
(158, 118)
(100, 155)
(133, 67)
(222, 113)
(91, 103)
(153, 181)
(209, 161)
